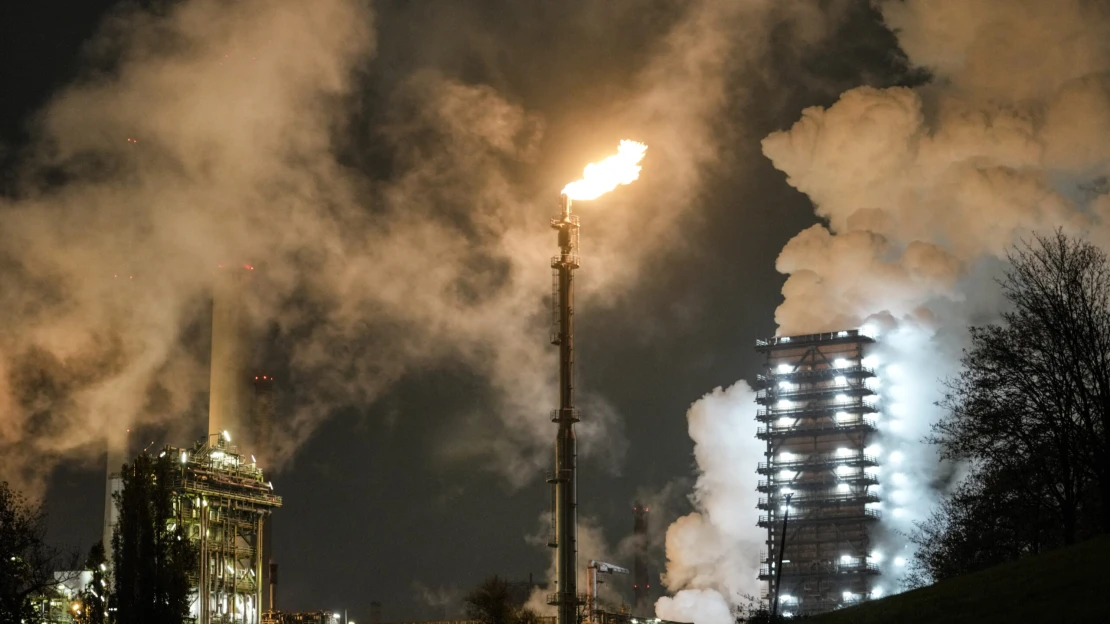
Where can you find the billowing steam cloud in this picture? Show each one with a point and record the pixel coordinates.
(921, 192)
(713, 553)
(225, 133)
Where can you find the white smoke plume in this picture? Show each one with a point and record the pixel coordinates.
(713, 553)
(923, 191)
(206, 133)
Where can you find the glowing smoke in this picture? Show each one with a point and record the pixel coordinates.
(217, 132)
(922, 190)
(713, 553)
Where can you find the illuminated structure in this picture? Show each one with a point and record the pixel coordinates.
(565, 479)
(597, 179)
(222, 500)
(818, 416)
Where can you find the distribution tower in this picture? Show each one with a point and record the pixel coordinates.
(818, 415)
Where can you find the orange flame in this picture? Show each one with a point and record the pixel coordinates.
(601, 177)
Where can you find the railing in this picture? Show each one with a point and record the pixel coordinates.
(558, 598)
(864, 424)
(856, 479)
(817, 373)
(808, 338)
(819, 568)
(866, 514)
(821, 459)
(815, 411)
(820, 499)
(853, 388)
(571, 413)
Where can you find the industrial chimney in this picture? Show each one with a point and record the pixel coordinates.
(641, 577)
(228, 398)
(117, 447)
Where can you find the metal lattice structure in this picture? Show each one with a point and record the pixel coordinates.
(222, 500)
(564, 479)
(818, 415)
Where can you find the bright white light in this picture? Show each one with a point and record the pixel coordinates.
(896, 457)
(874, 449)
(184, 457)
(869, 330)
(786, 456)
(843, 452)
(841, 398)
(899, 513)
(869, 470)
(841, 334)
(840, 380)
(784, 368)
(893, 370)
(896, 426)
(786, 598)
(784, 339)
(842, 416)
(870, 361)
(899, 561)
(877, 592)
(787, 474)
(784, 404)
(876, 556)
(785, 422)
(848, 595)
(845, 558)
(786, 385)
(843, 488)
(162, 454)
(226, 435)
(841, 363)
(785, 490)
(843, 470)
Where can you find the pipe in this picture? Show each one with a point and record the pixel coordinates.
(778, 569)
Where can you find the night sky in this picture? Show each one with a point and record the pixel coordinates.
(372, 511)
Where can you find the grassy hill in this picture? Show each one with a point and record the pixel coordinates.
(1067, 585)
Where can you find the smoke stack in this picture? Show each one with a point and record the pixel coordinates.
(227, 407)
(641, 579)
(117, 454)
(262, 419)
(273, 574)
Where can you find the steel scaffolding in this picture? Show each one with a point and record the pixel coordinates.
(818, 416)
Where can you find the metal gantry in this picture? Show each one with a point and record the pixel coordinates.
(819, 414)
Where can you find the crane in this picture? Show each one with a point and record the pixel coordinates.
(592, 571)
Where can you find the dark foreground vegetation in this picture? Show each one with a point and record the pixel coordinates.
(1029, 418)
(1068, 585)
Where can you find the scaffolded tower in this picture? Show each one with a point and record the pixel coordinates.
(222, 500)
(818, 415)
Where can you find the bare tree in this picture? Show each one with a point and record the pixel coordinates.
(1029, 414)
(27, 563)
